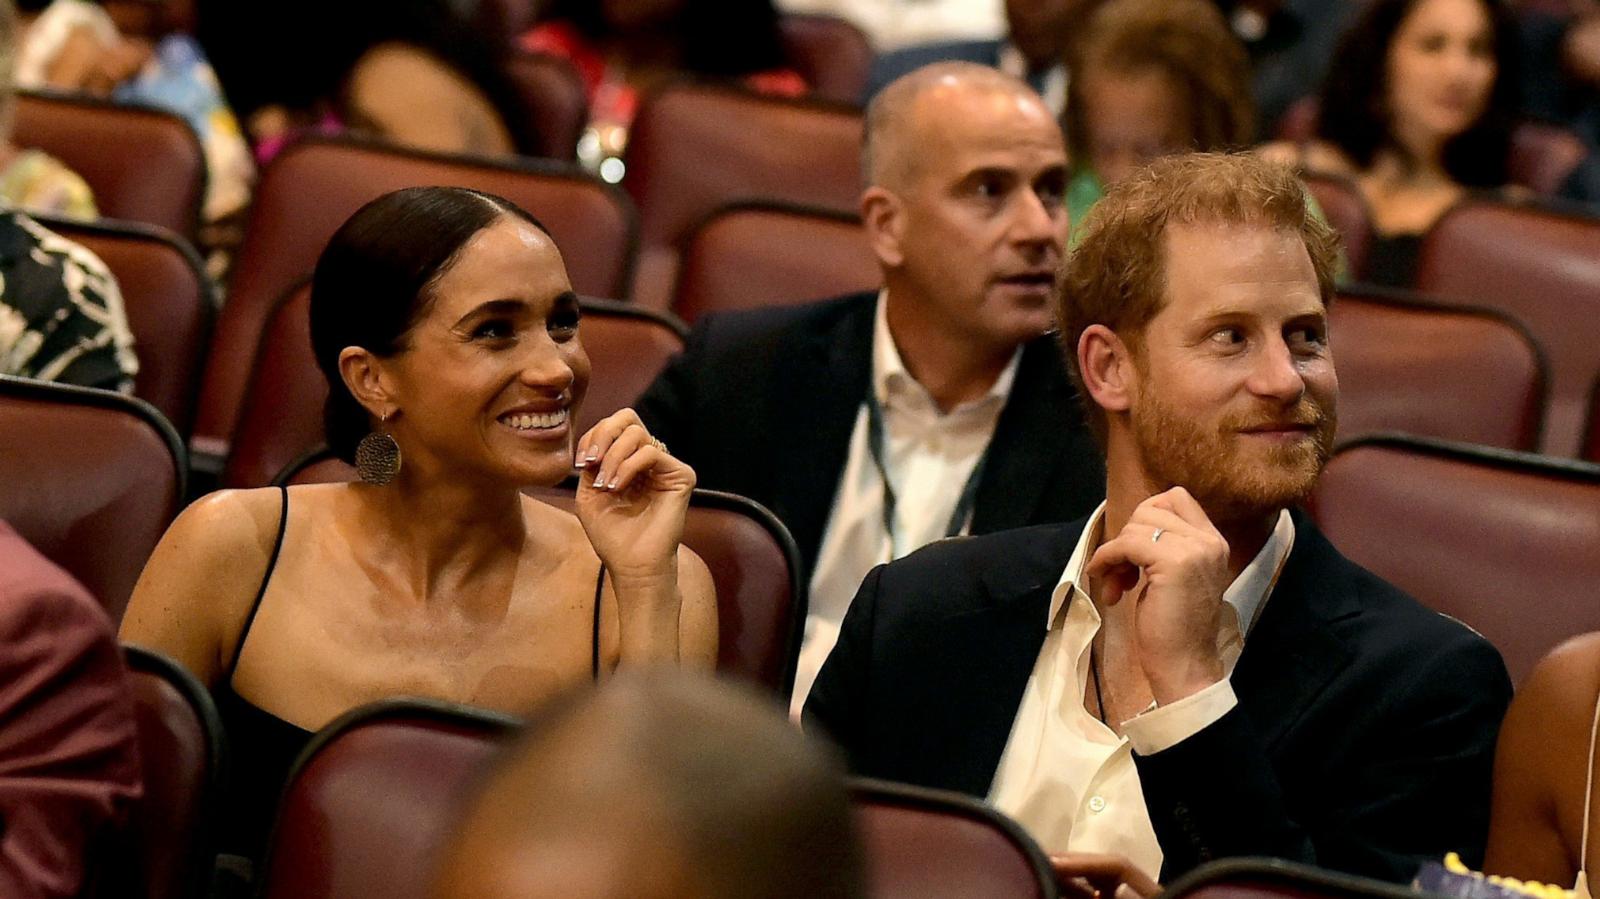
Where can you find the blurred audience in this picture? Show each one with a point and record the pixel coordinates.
(445, 325)
(658, 788)
(74, 46)
(1038, 35)
(1289, 42)
(1543, 823)
(31, 179)
(1193, 671)
(1418, 108)
(1150, 78)
(895, 24)
(624, 48)
(412, 72)
(875, 423)
(69, 750)
(61, 313)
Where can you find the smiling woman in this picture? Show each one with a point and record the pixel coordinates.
(450, 337)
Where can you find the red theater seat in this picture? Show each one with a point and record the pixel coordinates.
(834, 56)
(553, 100)
(1508, 543)
(695, 148)
(771, 254)
(314, 186)
(143, 165)
(168, 850)
(1542, 269)
(1346, 210)
(281, 418)
(1592, 445)
(90, 478)
(1434, 371)
(170, 303)
(371, 800)
(930, 844)
(1261, 878)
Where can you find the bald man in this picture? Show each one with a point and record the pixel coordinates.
(658, 787)
(876, 423)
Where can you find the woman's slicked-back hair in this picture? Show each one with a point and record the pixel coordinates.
(1353, 111)
(374, 281)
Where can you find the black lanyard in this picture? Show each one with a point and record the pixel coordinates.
(876, 442)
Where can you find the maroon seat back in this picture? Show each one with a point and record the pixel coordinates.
(169, 841)
(370, 801)
(929, 844)
(1591, 449)
(170, 303)
(755, 565)
(90, 478)
(553, 100)
(834, 56)
(1508, 543)
(766, 254)
(281, 417)
(1346, 210)
(315, 185)
(1542, 269)
(143, 165)
(1434, 371)
(1543, 156)
(1261, 878)
(696, 148)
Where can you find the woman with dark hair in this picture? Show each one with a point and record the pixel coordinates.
(1418, 107)
(622, 48)
(449, 334)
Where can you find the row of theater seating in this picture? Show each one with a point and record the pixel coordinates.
(371, 800)
(716, 237)
(1507, 542)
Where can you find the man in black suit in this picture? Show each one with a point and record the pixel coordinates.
(873, 424)
(1194, 671)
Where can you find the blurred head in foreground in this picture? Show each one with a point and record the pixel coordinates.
(658, 786)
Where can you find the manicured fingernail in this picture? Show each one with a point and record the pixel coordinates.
(613, 484)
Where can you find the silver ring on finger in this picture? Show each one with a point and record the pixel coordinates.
(1157, 535)
(656, 442)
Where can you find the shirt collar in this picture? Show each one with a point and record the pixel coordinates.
(890, 376)
(1246, 595)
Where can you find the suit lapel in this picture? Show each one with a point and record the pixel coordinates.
(1292, 654)
(820, 387)
(982, 660)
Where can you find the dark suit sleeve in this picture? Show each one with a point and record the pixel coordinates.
(1415, 787)
(837, 705)
(667, 406)
(69, 766)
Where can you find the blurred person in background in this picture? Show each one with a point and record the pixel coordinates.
(1418, 108)
(624, 48)
(896, 24)
(1038, 36)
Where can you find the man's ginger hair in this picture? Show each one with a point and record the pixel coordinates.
(1116, 275)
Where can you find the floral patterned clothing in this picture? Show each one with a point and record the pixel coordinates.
(61, 313)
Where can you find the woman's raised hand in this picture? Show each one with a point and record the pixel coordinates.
(632, 498)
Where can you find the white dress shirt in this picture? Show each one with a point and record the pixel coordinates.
(1068, 778)
(929, 455)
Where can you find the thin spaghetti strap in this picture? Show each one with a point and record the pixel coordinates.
(594, 650)
(266, 576)
(1588, 792)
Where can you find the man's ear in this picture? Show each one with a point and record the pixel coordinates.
(363, 373)
(1106, 363)
(883, 217)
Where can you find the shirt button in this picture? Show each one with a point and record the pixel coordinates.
(1097, 804)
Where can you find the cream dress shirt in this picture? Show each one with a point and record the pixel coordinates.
(929, 456)
(892, 24)
(1069, 779)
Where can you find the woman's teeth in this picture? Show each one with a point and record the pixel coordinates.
(526, 422)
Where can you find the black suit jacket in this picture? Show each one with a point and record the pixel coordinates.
(1363, 739)
(762, 404)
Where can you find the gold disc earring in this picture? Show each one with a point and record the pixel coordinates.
(378, 457)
